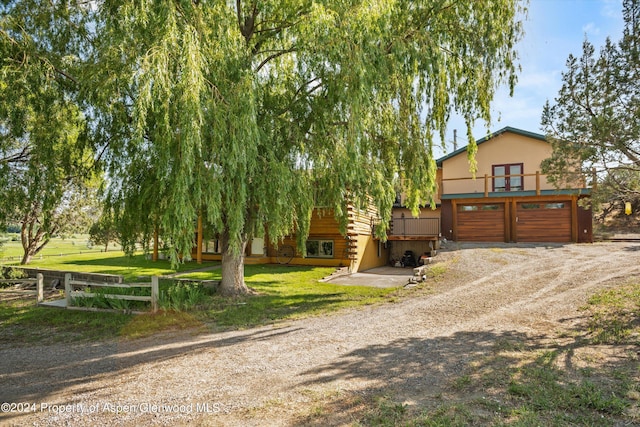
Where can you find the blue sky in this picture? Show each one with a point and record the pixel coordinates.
(553, 30)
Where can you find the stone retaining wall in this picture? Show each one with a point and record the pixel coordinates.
(57, 275)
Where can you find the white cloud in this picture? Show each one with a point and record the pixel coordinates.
(591, 29)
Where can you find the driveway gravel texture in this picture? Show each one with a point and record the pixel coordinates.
(275, 375)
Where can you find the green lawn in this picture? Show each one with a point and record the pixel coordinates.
(131, 267)
(72, 254)
(11, 247)
(280, 293)
(286, 292)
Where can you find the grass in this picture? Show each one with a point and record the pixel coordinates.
(524, 382)
(566, 380)
(24, 323)
(285, 292)
(72, 254)
(615, 315)
(281, 293)
(130, 267)
(385, 412)
(11, 247)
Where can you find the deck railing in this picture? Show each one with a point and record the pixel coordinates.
(528, 182)
(485, 184)
(415, 227)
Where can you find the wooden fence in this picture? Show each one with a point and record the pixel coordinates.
(70, 291)
(38, 281)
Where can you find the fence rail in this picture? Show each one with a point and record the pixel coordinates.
(12, 258)
(38, 281)
(521, 182)
(71, 292)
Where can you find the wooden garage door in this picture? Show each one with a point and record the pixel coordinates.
(543, 222)
(480, 222)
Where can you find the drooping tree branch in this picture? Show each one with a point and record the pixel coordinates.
(273, 56)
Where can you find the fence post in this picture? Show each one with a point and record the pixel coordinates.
(67, 288)
(486, 185)
(154, 293)
(40, 287)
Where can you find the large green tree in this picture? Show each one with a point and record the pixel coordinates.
(594, 122)
(44, 155)
(250, 113)
(104, 231)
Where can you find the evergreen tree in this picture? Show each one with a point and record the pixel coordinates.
(593, 124)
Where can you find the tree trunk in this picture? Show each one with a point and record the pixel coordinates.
(232, 283)
(32, 243)
(26, 237)
(26, 258)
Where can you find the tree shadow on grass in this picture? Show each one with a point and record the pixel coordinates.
(477, 368)
(413, 370)
(475, 378)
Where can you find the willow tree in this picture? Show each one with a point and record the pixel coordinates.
(250, 113)
(44, 156)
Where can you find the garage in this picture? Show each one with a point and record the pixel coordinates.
(517, 219)
(544, 221)
(481, 222)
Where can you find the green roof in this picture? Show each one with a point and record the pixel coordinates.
(491, 136)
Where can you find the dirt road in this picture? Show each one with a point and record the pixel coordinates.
(275, 375)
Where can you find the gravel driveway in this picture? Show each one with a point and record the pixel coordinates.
(272, 375)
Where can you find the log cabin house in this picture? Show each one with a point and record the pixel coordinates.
(357, 250)
(508, 200)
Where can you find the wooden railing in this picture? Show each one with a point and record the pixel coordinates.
(415, 227)
(488, 183)
(70, 292)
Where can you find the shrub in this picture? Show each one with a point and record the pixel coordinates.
(182, 296)
(12, 273)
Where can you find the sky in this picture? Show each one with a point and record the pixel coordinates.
(553, 30)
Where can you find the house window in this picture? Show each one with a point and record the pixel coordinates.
(320, 248)
(507, 177)
(468, 208)
(554, 206)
